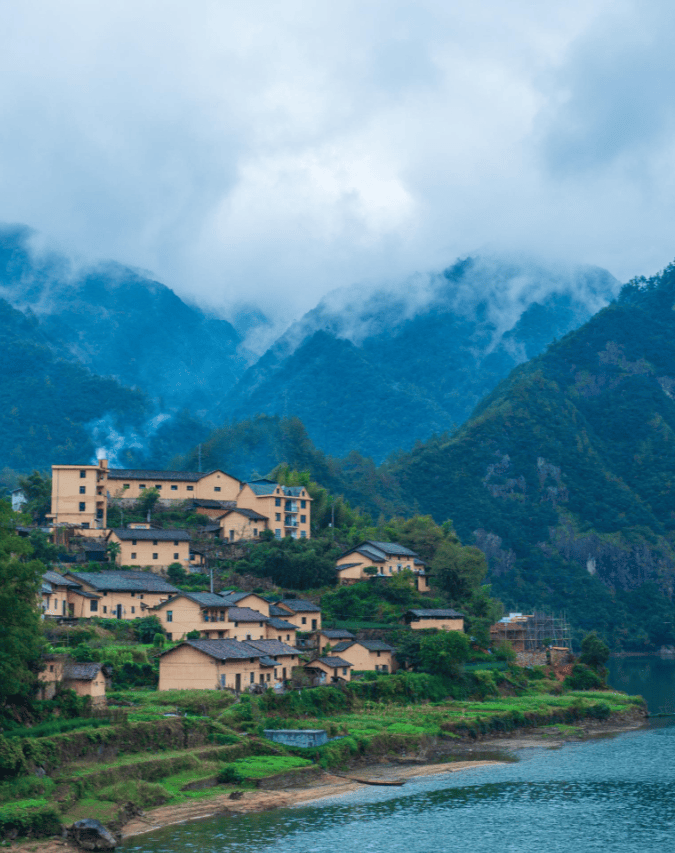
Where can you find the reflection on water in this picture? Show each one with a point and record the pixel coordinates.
(604, 795)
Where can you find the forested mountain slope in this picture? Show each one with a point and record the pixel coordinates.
(565, 474)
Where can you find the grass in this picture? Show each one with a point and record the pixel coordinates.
(261, 766)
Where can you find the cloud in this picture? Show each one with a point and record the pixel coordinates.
(267, 153)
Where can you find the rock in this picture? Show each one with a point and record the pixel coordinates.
(92, 835)
(236, 795)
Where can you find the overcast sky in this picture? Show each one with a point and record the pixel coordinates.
(268, 152)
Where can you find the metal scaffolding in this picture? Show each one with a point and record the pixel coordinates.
(534, 632)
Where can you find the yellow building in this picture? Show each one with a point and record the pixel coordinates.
(329, 637)
(331, 669)
(130, 483)
(388, 558)
(367, 655)
(226, 663)
(86, 679)
(79, 495)
(287, 508)
(241, 524)
(443, 619)
(305, 615)
(118, 595)
(58, 595)
(156, 549)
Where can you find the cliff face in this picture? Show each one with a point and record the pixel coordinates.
(565, 474)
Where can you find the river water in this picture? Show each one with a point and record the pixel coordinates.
(609, 794)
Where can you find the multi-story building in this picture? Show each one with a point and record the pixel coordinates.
(380, 559)
(287, 508)
(79, 495)
(150, 547)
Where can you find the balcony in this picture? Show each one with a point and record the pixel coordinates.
(291, 506)
(290, 522)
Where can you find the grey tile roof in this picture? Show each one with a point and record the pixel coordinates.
(277, 611)
(281, 624)
(94, 545)
(209, 504)
(206, 599)
(298, 605)
(46, 588)
(147, 474)
(440, 613)
(376, 645)
(379, 551)
(267, 661)
(81, 671)
(166, 535)
(125, 581)
(247, 513)
(58, 580)
(272, 647)
(245, 614)
(263, 487)
(295, 492)
(348, 566)
(341, 647)
(337, 634)
(222, 649)
(333, 660)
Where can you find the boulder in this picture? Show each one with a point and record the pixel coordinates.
(92, 835)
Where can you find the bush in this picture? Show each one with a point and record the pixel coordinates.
(30, 817)
(193, 635)
(583, 678)
(146, 628)
(11, 759)
(229, 775)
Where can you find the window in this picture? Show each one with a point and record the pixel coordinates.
(133, 555)
(216, 488)
(253, 678)
(155, 556)
(222, 680)
(174, 488)
(231, 535)
(51, 667)
(176, 555)
(133, 609)
(133, 595)
(141, 596)
(169, 615)
(303, 504)
(125, 486)
(313, 624)
(82, 505)
(141, 485)
(344, 670)
(277, 501)
(303, 534)
(133, 541)
(83, 474)
(83, 490)
(304, 620)
(303, 519)
(105, 609)
(190, 488)
(277, 516)
(93, 605)
(277, 533)
(255, 531)
(154, 541)
(85, 525)
(169, 636)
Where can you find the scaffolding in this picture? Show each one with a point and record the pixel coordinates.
(533, 632)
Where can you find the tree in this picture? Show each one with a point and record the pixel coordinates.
(444, 653)
(146, 502)
(114, 549)
(21, 639)
(146, 628)
(37, 488)
(176, 573)
(594, 652)
(458, 571)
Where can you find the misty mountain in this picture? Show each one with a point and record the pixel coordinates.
(117, 322)
(565, 474)
(378, 371)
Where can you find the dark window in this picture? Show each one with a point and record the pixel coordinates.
(133, 609)
(169, 615)
(154, 541)
(134, 541)
(83, 490)
(133, 555)
(125, 486)
(252, 677)
(81, 506)
(190, 488)
(303, 519)
(133, 595)
(174, 488)
(255, 531)
(175, 541)
(304, 620)
(155, 556)
(277, 501)
(313, 624)
(85, 524)
(83, 474)
(93, 605)
(105, 609)
(175, 556)
(231, 535)
(141, 485)
(278, 517)
(216, 488)
(303, 504)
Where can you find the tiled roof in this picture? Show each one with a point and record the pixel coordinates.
(333, 660)
(94, 545)
(262, 488)
(347, 566)
(245, 614)
(145, 474)
(379, 551)
(127, 581)
(267, 661)
(272, 647)
(209, 504)
(341, 647)
(223, 649)
(277, 611)
(81, 671)
(295, 492)
(131, 533)
(281, 625)
(206, 599)
(57, 579)
(247, 513)
(336, 634)
(376, 646)
(440, 613)
(298, 605)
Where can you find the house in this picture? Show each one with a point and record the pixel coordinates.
(281, 630)
(305, 615)
(118, 595)
(219, 664)
(86, 679)
(329, 637)
(286, 508)
(387, 558)
(444, 619)
(173, 486)
(286, 656)
(58, 595)
(367, 655)
(211, 508)
(241, 524)
(330, 669)
(151, 547)
(79, 495)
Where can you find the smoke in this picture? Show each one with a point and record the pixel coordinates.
(116, 445)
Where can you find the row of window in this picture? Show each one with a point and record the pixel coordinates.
(289, 504)
(294, 533)
(155, 556)
(154, 541)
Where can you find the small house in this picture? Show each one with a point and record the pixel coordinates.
(444, 619)
(330, 669)
(367, 655)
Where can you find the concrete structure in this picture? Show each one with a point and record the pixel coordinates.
(532, 632)
(79, 495)
(367, 655)
(287, 508)
(219, 664)
(151, 548)
(305, 615)
(388, 558)
(330, 669)
(445, 619)
(303, 738)
(118, 595)
(86, 679)
(19, 500)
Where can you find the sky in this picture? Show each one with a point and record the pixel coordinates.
(264, 153)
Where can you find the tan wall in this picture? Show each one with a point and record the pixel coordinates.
(135, 605)
(286, 636)
(422, 582)
(184, 616)
(353, 574)
(234, 527)
(241, 630)
(66, 495)
(186, 668)
(331, 672)
(363, 659)
(441, 624)
(267, 505)
(255, 602)
(178, 490)
(303, 621)
(56, 602)
(144, 551)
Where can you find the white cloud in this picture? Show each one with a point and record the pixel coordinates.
(268, 152)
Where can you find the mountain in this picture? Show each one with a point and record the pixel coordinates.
(117, 322)
(378, 371)
(565, 474)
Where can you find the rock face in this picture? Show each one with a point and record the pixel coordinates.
(92, 835)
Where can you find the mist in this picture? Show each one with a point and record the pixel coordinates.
(266, 155)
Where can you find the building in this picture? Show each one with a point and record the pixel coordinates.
(329, 637)
(445, 619)
(305, 615)
(150, 547)
(241, 524)
(330, 669)
(79, 495)
(287, 508)
(173, 486)
(117, 595)
(86, 679)
(226, 663)
(367, 655)
(380, 559)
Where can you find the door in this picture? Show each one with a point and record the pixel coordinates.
(119, 611)
(237, 682)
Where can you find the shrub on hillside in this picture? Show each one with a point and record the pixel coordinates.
(583, 678)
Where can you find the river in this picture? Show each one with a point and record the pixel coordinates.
(608, 794)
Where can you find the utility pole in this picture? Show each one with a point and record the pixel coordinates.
(199, 452)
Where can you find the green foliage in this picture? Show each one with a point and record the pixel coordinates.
(158, 641)
(176, 574)
(33, 818)
(145, 795)
(292, 563)
(584, 678)
(594, 652)
(12, 762)
(147, 499)
(37, 488)
(147, 628)
(444, 653)
(193, 635)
